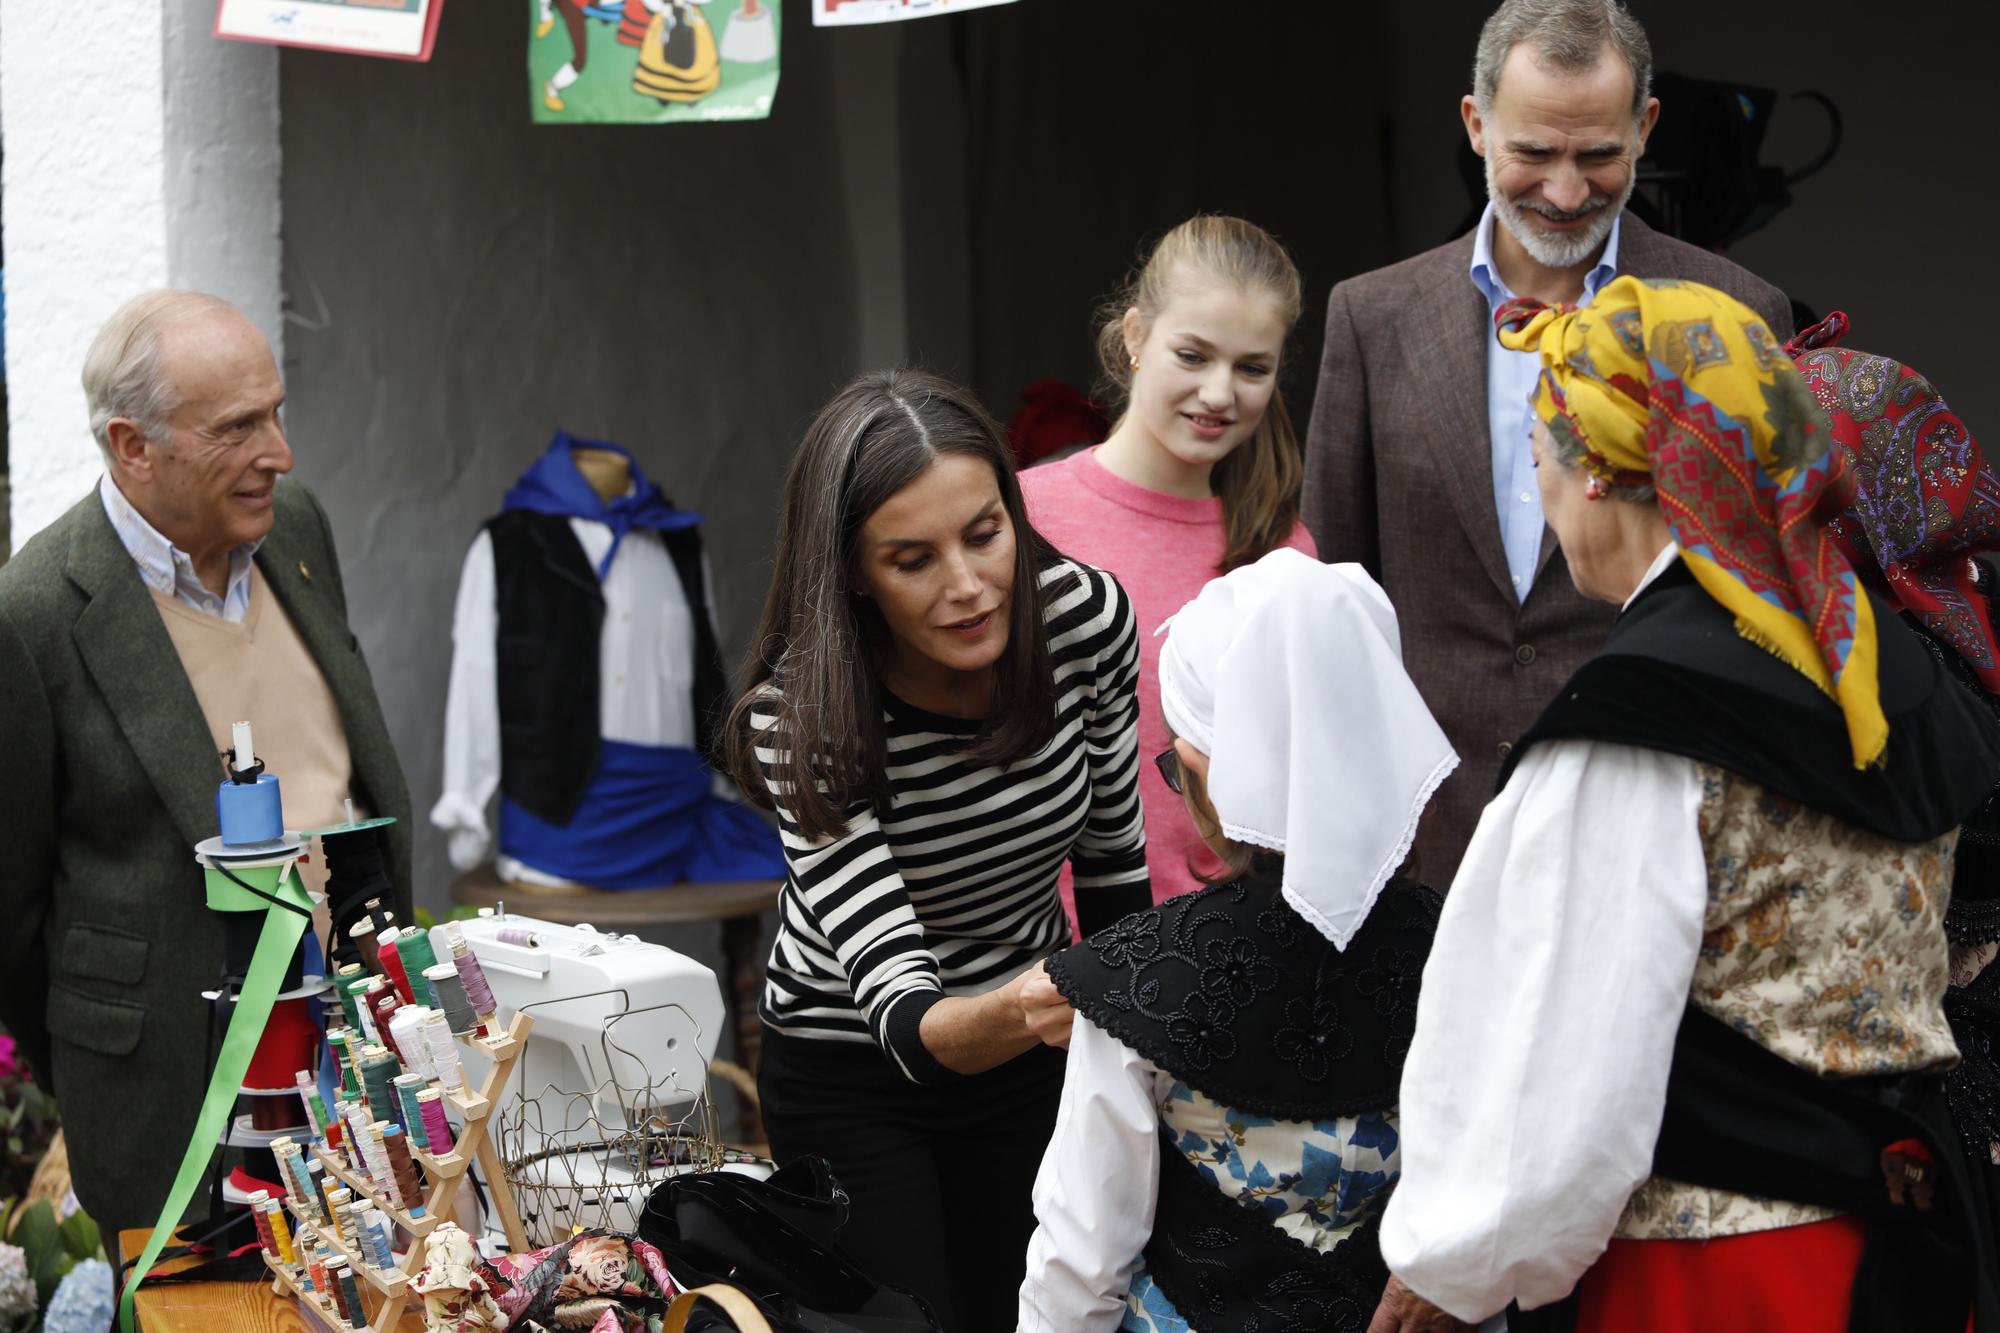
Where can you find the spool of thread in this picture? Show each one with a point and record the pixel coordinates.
(363, 933)
(380, 1169)
(355, 1227)
(315, 1108)
(350, 1064)
(405, 1168)
(340, 1284)
(371, 998)
(379, 1249)
(449, 987)
(413, 946)
(410, 1020)
(386, 1010)
(337, 1200)
(280, 1230)
(519, 935)
(377, 1069)
(437, 1129)
(353, 1291)
(478, 993)
(343, 986)
(315, 1178)
(444, 1054)
(391, 958)
(316, 1267)
(250, 812)
(407, 1087)
(261, 1220)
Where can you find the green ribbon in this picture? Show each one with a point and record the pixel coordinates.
(276, 945)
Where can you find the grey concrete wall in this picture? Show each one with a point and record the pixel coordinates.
(463, 283)
(1896, 230)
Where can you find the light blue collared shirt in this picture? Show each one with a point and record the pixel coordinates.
(166, 567)
(1510, 383)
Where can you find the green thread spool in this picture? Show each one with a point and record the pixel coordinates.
(413, 946)
(377, 1073)
(342, 980)
(407, 1087)
(352, 996)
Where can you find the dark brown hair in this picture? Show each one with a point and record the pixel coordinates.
(1258, 483)
(820, 644)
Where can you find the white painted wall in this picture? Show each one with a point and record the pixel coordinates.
(140, 153)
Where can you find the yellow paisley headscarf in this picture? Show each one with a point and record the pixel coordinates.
(1683, 386)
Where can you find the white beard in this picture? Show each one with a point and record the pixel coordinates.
(1551, 249)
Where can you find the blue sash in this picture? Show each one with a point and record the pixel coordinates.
(649, 818)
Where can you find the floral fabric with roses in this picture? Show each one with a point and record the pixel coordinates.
(599, 1280)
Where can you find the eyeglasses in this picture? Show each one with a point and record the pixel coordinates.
(1169, 764)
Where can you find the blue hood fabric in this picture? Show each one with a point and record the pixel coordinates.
(554, 485)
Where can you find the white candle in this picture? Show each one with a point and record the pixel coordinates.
(240, 731)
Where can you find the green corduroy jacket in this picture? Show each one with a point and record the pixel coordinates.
(107, 780)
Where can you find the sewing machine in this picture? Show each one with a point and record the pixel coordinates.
(630, 1023)
(608, 1097)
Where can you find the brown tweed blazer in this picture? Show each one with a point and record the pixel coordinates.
(1399, 476)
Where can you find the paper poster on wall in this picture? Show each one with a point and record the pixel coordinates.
(399, 29)
(837, 13)
(651, 62)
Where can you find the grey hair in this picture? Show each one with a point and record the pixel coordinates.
(1569, 451)
(121, 371)
(1566, 36)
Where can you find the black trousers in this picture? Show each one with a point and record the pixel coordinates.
(940, 1177)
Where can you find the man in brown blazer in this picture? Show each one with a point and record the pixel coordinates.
(1417, 458)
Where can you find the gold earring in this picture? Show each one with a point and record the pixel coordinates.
(1135, 363)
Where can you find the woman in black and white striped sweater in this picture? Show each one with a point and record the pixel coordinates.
(942, 711)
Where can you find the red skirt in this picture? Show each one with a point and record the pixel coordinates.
(1792, 1280)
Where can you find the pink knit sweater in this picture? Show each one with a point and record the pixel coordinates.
(1162, 548)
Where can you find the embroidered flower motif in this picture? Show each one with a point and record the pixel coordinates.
(1201, 1031)
(1235, 971)
(1280, 923)
(1392, 980)
(1131, 939)
(1313, 1037)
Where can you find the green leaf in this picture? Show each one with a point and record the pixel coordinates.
(80, 1236)
(39, 1239)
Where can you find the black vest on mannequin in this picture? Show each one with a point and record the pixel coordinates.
(551, 618)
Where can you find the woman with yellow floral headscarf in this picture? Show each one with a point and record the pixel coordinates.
(1688, 982)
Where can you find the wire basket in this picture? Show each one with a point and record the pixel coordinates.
(590, 1156)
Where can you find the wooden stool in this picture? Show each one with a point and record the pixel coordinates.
(737, 905)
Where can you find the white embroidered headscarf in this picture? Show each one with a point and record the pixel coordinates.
(1288, 674)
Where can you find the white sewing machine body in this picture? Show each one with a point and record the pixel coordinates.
(630, 1024)
(611, 1090)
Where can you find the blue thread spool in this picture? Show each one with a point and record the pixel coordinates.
(250, 813)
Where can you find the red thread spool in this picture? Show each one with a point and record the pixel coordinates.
(392, 963)
(373, 995)
(384, 1010)
(258, 1199)
(437, 1129)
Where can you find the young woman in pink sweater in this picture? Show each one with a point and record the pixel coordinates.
(1200, 474)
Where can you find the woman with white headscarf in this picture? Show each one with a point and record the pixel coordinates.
(1228, 1135)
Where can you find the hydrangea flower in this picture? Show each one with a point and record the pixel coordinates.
(17, 1289)
(84, 1300)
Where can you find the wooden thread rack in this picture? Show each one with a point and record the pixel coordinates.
(444, 1176)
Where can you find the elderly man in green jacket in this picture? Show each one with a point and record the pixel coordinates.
(192, 588)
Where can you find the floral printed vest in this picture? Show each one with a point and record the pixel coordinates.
(1278, 1140)
(1826, 944)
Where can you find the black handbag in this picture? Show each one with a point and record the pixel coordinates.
(774, 1239)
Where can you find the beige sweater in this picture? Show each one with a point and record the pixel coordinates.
(260, 671)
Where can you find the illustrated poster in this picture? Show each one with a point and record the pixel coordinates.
(839, 13)
(399, 29)
(651, 62)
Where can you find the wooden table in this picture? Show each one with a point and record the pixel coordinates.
(205, 1307)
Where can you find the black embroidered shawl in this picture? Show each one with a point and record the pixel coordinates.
(1233, 993)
